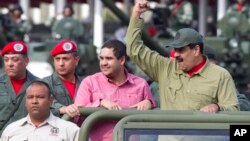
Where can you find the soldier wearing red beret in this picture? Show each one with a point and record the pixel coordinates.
(64, 81)
(13, 82)
(64, 47)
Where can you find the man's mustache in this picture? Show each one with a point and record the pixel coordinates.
(179, 59)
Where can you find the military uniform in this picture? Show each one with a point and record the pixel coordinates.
(68, 28)
(178, 91)
(12, 106)
(183, 15)
(60, 93)
(14, 25)
(19, 29)
(245, 9)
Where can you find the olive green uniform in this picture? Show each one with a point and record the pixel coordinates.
(12, 106)
(183, 17)
(60, 93)
(245, 11)
(178, 91)
(68, 28)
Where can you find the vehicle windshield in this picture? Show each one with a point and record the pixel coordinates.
(176, 134)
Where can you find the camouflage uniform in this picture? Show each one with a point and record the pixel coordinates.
(183, 16)
(9, 101)
(15, 27)
(235, 24)
(12, 29)
(245, 10)
(19, 29)
(68, 28)
(60, 93)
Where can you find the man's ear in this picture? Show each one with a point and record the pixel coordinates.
(122, 60)
(27, 60)
(77, 59)
(197, 49)
(51, 99)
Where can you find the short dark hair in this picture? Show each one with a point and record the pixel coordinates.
(25, 55)
(75, 53)
(119, 48)
(40, 82)
(191, 46)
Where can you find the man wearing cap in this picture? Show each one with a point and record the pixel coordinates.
(189, 82)
(64, 82)
(13, 83)
(210, 53)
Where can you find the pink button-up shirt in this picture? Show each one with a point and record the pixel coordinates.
(96, 87)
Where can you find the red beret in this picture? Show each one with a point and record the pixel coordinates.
(65, 46)
(15, 47)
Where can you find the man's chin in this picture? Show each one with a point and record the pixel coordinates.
(62, 73)
(108, 75)
(13, 76)
(35, 114)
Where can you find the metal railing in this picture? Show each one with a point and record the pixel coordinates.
(94, 115)
(192, 120)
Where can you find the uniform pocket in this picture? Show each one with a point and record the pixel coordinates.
(201, 97)
(205, 95)
(4, 98)
(174, 87)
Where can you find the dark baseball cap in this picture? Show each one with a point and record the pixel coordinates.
(184, 37)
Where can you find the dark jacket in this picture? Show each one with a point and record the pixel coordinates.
(59, 92)
(10, 102)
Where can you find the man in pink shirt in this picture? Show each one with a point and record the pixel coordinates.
(113, 88)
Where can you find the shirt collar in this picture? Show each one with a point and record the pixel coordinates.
(129, 78)
(201, 71)
(57, 79)
(50, 120)
(197, 68)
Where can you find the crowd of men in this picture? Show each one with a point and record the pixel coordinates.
(31, 108)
